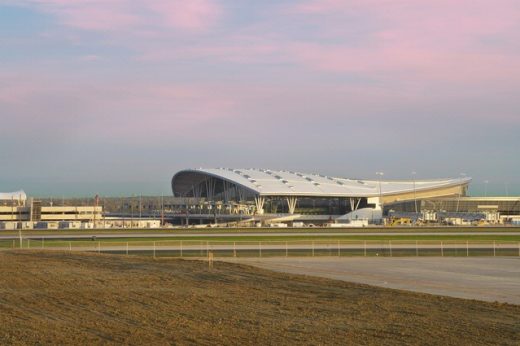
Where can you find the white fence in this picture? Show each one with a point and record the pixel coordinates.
(193, 248)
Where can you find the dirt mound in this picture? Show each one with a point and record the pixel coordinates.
(63, 298)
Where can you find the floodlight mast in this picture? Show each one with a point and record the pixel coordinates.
(414, 191)
(380, 174)
(463, 175)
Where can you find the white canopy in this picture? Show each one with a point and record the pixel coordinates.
(265, 182)
(17, 196)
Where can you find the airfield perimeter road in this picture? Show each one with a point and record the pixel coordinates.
(488, 279)
(152, 234)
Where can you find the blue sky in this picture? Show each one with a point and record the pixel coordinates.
(113, 97)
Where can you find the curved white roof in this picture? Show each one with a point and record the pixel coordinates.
(18, 195)
(288, 183)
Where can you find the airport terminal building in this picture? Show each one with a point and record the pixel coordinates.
(310, 196)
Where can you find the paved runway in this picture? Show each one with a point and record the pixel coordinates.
(489, 279)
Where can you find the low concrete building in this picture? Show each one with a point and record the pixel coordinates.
(8, 225)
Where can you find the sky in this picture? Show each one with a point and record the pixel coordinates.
(112, 97)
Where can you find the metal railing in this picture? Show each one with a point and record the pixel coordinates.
(271, 248)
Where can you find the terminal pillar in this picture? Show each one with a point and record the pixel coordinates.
(291, 203)
(259, 202)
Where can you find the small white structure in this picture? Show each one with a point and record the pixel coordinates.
(457, 221)
(492, 216)
(18, 196)
(46, 225)
(429, 216)
(351, 223)
(153, 223)
(87, 225)
(278, 225)
(26, 225)
(69, 224)
(8, 225)
(365, 214)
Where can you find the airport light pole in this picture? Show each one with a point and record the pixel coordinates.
(380, 174)
(414, 193)
(132, 208)
(462, 175)
(140, 206)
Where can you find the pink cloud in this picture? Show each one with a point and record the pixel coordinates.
(115, 15)
(190, 15)
(110, 108)
(425, 19)
(428, 41)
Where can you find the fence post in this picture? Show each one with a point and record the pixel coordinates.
(210, 259)
(287, 249)
(99, 247)
(390, 245)
(417, 248)
(312, 249)
(494, 248)
(467, 248)
(70, 246)
(43, 243)
(181, 248)
(29, 243)
(339, 250)
(442, 250)
(234, 249)
(260, 248)
(365, 248)
(207, 248)
(153, 249)
(127, 248)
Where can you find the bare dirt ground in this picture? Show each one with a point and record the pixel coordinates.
(73, 298)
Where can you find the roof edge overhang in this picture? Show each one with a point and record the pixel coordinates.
(442, 184)
(213, 175)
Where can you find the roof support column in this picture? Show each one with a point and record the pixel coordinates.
(353, 205)
(291, 203)
(210, 188)
(240, 194)
(259, 202)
